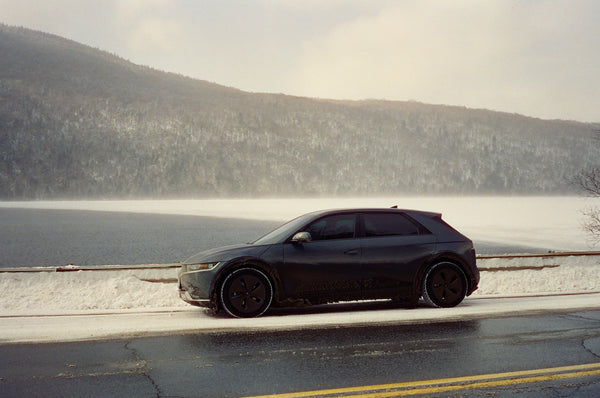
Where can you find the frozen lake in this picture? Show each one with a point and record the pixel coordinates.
(161, 231)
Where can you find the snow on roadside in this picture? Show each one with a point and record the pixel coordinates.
(547, 275)
(53, 293)
(44, 293)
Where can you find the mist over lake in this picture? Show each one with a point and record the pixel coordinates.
(50, 233)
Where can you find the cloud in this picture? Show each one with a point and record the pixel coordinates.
(501, 55)
(401, 47)
(537, 57)
(150, 26)
(132, 9)
(155, 35)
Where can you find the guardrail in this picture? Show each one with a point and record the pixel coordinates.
(73, 268)
(529, 261)
(541, 255)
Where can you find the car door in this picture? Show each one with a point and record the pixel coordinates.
(328, 267)
(393, 247)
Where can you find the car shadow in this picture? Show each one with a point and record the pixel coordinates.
(354, 306)
(343, 307)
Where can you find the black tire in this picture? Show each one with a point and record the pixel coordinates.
(444, 285)
(246, 293)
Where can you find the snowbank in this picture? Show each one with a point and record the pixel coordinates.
(539, 275)
(46, 293)
(91, 305)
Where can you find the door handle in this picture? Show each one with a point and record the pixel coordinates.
(351, 252)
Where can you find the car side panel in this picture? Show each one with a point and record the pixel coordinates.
(390, 264)
(322, 271)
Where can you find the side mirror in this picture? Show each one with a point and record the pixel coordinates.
(302, 237)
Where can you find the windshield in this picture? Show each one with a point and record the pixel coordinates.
(284, 231)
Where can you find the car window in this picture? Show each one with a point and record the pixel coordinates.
(386, 224)
(333, 227)
(282, 232)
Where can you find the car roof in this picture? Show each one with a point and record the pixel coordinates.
(320, 213)
(430, 220)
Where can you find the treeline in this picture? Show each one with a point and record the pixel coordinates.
(80, 123)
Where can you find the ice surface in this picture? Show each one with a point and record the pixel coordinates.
(537, 221)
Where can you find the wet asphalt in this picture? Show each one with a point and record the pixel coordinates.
(234, 364)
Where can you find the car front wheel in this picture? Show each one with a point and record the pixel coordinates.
(444, 285)
(246, 293)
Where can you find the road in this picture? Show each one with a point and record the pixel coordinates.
(356, 359)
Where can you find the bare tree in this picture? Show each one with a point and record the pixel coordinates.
(589, 182)
(592, 223)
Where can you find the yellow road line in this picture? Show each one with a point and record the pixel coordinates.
(471, 386)
(450, 384)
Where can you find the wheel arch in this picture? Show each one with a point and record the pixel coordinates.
(440, 258)
(238, 263)
(445, 288)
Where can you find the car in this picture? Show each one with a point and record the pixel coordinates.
(334, 256)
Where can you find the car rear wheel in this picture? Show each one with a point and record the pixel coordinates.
(246, 293)
(444, 285)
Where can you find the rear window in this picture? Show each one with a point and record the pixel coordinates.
(390, 224)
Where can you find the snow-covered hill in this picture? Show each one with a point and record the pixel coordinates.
(79, 122)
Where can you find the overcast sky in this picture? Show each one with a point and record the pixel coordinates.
(535, 57)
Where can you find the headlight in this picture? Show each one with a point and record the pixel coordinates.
(201, 266)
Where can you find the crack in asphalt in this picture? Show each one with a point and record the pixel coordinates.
(581, 316)
(142, 368)
(590, 344)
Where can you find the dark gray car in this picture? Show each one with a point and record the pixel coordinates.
(336, 255)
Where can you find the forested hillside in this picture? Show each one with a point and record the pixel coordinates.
(76, 122)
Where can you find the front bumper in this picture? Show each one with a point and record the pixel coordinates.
(195, 286)
(200, 302)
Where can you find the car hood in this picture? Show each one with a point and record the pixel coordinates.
(227, 253)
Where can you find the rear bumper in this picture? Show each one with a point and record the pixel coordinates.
(474, 274)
